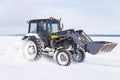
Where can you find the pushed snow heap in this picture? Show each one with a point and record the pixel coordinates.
(45, 36)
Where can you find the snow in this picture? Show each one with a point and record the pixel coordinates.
(13, 65)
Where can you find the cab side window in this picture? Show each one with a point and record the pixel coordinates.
(33, 27)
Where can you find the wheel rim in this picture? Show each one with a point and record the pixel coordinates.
(30, 50)
(62, 58)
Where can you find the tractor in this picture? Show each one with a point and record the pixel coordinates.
(47, 37)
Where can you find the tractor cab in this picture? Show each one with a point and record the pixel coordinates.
(44, 27)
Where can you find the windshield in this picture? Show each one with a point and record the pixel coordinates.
(53, 27)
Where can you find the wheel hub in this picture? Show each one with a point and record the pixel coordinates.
(31, 49)
(63, 58)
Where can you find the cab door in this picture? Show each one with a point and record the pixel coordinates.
(42, 31)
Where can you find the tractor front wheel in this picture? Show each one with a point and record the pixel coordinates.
(63, 58)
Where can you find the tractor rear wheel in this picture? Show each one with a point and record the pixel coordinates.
(79, 55)
(63, 57)
(31, 50)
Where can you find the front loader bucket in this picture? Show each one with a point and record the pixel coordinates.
(96, 47)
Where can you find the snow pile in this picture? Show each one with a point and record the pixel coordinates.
(13, 66)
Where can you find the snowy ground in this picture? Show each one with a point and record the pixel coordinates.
(13, 66)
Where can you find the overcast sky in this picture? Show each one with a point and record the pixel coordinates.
(93, 16)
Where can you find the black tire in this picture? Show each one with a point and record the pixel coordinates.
(33, 54)
(63, 58)
(79, 56)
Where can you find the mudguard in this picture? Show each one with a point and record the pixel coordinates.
(31, 36)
